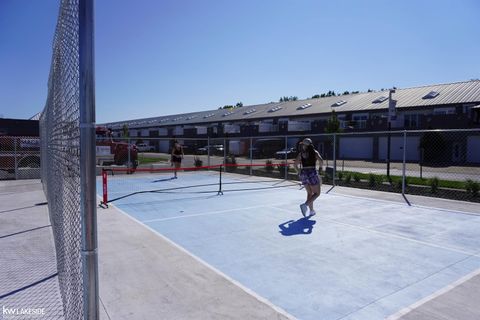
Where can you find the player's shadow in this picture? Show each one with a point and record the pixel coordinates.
(301, 226)
(165, 179)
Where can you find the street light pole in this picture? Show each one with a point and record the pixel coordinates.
(391, 116)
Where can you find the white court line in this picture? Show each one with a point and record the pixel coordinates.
(434, 295)
(403, 202)
(318, 216)
(208, 213)
(235, 282)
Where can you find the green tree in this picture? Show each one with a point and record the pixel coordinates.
(316, 96)
(125, 131)
(333, 124)
(239, 105)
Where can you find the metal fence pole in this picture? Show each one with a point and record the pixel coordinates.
(404, 160)
(15, 157)
(286, 158)
(224, 154)
(334, 158)
(87, 160)
(128, 153)
(251, 155)
(208, 151)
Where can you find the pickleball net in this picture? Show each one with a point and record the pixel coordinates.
(122, 183)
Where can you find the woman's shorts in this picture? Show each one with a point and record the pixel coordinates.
(176, 159)
(309, 176)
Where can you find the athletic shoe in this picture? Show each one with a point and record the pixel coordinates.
(312, 213)
(303, 207)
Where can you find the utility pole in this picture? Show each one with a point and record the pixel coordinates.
(392, 116)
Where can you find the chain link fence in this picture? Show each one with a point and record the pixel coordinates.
(19, 158)
(435, 163)
(63, 158)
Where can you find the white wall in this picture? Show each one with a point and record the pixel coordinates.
(162, 131)
(396, 148)
(299, 126)
(265, 127)
(163, 146)
(231, 128)
(178, 131)
(355, 147)
(473, 149)
(201, 130)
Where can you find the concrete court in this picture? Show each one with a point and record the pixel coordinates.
(358, 258)
(173, 284)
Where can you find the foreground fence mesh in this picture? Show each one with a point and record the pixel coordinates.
(63, 170)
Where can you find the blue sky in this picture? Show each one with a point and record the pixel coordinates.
(163, 57)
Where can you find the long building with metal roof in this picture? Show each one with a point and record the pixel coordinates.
(451, 105)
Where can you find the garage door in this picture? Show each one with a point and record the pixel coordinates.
(355, 148)
(473, 149)
(396, 148)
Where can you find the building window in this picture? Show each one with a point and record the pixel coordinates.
(411, 120)
(440, 111)
(360, 120)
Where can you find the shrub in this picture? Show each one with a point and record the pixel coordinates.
(269, 165)
(356, 177)
(340, 175)
(348, 178)
(231, 160)
(472, 187)
(398, 183)
(281, 167)
(433, 183)
(197, 162)
(371, 180)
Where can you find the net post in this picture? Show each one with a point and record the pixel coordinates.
(87, 160)
(104, 185)
(220, 192)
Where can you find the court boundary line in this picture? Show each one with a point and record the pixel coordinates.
(205, 213)
(412, 205)
(212, 268)
(438, 293)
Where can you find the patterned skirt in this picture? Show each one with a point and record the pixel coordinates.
(309, 176)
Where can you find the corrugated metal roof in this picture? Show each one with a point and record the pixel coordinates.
(450, 93)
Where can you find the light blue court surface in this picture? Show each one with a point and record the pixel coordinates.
(356, 259)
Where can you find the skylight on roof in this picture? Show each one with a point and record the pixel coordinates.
(165, 120)
(339, 103)
(250, 111)
(380, 99)
(177, 118)
(431, 95)
(305, 106)
(274, 109)
(208, 115)
(191, 117)
(228, 113)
